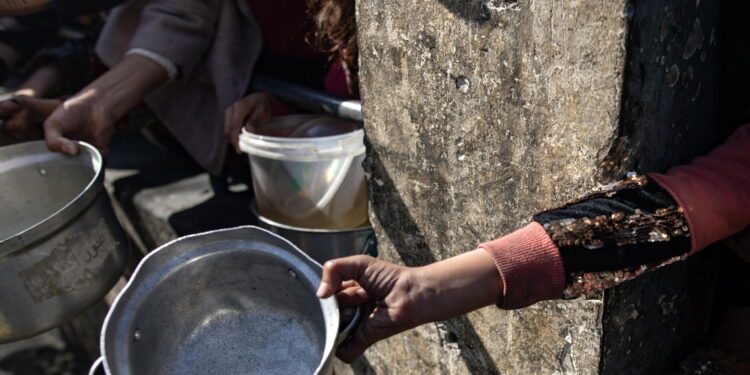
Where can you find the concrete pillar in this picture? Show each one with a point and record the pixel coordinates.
(479, 113)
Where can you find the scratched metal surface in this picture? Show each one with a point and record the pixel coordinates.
(35, 191)
(61, 247)
(234, 301)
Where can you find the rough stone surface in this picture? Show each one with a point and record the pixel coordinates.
(480, 113)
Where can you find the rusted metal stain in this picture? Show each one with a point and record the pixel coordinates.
(74, 264)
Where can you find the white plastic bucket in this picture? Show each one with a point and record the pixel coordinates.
(308, 182)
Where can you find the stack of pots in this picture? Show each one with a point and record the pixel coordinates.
(309, 183)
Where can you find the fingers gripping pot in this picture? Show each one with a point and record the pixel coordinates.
(233, 301)
(61, 247)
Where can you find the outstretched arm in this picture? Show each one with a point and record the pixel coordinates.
(621, 230)
(91, 114)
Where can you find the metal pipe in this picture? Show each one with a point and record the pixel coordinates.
(309, 99)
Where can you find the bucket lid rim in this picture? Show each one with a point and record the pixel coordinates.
(248, 136)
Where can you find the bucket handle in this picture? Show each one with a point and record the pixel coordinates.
(332, 189)
(335, 185)
(349, 329)
(98, 363)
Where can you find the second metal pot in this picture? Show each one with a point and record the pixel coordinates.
(61, 247)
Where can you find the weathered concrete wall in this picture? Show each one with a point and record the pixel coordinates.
(480, 113)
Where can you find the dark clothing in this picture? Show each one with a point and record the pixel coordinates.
(31, 33)
(73, 57)
(66, 10)
(644, 233)
(286, 55)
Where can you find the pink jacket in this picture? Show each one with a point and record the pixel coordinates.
(713, 191)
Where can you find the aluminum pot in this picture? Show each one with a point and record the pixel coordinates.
(231, 301)
(61, 247)
(324, 244)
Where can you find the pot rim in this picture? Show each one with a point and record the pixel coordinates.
(140, 276)
(64, 215)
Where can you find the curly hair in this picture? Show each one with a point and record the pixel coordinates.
(336, 33)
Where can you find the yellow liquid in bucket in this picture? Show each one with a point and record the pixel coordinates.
(356, 216)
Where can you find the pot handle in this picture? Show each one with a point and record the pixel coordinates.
(97, 364)
(349, 329)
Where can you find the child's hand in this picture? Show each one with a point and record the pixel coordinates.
(398, 298)
(251, 112)
(21, 112)
(385, 288)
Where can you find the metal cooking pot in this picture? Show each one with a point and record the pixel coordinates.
(324, 244)
(231, 301)
(61, 247)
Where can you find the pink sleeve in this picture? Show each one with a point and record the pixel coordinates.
(530, 266)
(713, 191)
